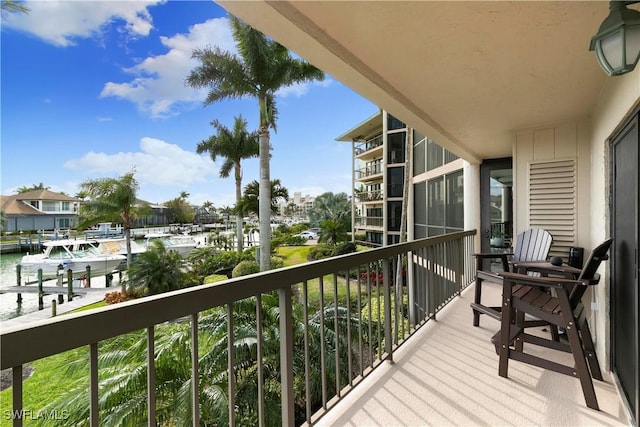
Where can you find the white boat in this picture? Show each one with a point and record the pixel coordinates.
(70, 254)
(182, 244)
(118, 245)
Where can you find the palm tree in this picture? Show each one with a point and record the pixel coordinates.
(261, 69)
(13, 6)
(234, 146)
(123, 367)
(250, 200)
(158, 270)
(115, 200)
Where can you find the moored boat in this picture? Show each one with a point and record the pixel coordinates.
(74, 255)
(182, 244)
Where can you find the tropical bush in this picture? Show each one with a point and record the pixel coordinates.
(245, 267)
(158, 270)
(345, 248)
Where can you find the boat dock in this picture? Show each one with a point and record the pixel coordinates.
(90, 296)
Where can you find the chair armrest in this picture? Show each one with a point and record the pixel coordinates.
(545, 267)
(542, 281)
(492, 255)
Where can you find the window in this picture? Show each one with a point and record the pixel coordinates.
(419, 156)
(393, 123)
(64, 223)
(434, 155)
(65, 206)
(395, 185)
(394, 211)
(395, 143)
(439, 205)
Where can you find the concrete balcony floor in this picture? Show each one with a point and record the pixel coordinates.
(447, 374)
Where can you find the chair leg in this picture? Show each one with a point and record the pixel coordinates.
(589, 350)
(519, 319)
(577, 350)
(476, 299)
(505, 328)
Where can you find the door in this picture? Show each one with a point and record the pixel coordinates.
(624, 262)
(496, 205)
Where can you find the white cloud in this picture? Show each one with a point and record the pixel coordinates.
(105, 119)
(159, 82)
(301, 89)
(158, 163)
(60, 22)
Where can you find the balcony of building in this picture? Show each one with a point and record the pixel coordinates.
(369, 149)
(370, 172)
(340, 324)
(371, 196)
(369, 223)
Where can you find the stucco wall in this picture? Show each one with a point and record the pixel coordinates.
(619, 97)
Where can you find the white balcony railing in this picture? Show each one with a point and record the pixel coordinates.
(354, 311)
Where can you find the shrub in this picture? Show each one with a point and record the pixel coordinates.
(345, 248)
(321, 252)
(245, 267)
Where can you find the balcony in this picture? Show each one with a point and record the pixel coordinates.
(369, 172)
(369, 196)
(369, 222)
(337, 324)
(367, 148)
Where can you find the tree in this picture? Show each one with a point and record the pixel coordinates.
(34, 187)
(3, 220)
(13, 6)
(262, 68)
(157, 270)
(179, 210)
(251, 197)
(332, 213)
(114, 200)
(234, 146)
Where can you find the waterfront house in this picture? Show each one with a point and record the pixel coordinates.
(39, 210)
(510, 88)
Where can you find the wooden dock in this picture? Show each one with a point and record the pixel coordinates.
(52, 290)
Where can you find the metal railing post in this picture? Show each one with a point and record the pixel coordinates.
(286, 356)
(387, 310)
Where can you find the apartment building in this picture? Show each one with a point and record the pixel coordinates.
(434, 194)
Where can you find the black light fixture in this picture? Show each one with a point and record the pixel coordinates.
(617, 42)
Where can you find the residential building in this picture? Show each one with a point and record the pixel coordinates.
(510, 88)
(379, 147)
(39, 210)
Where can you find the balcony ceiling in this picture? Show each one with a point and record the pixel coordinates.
(467, 74)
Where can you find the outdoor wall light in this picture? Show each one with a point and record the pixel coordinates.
(617, 42)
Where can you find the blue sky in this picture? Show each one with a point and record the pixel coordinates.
(96, 89)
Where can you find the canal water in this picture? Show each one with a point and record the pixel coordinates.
(9, 308)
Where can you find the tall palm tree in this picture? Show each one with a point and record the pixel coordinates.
(114, 200)
(13, 6)
(262, 67)
(234, 146)
(250, 200)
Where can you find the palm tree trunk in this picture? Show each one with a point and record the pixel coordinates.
(239, 234)
(264, 199)
(127, 238)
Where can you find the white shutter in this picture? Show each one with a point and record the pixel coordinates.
(552, 202)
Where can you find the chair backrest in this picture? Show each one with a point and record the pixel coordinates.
(588, 273)
(532, 245)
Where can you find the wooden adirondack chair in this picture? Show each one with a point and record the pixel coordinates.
(528, 295)
(531, 245)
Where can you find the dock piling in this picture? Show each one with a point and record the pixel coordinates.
(53, 308)
(40, 291)
(18, 280)
(69, 285)
(88, 277)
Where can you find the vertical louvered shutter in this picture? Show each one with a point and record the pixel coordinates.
(552, 202)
